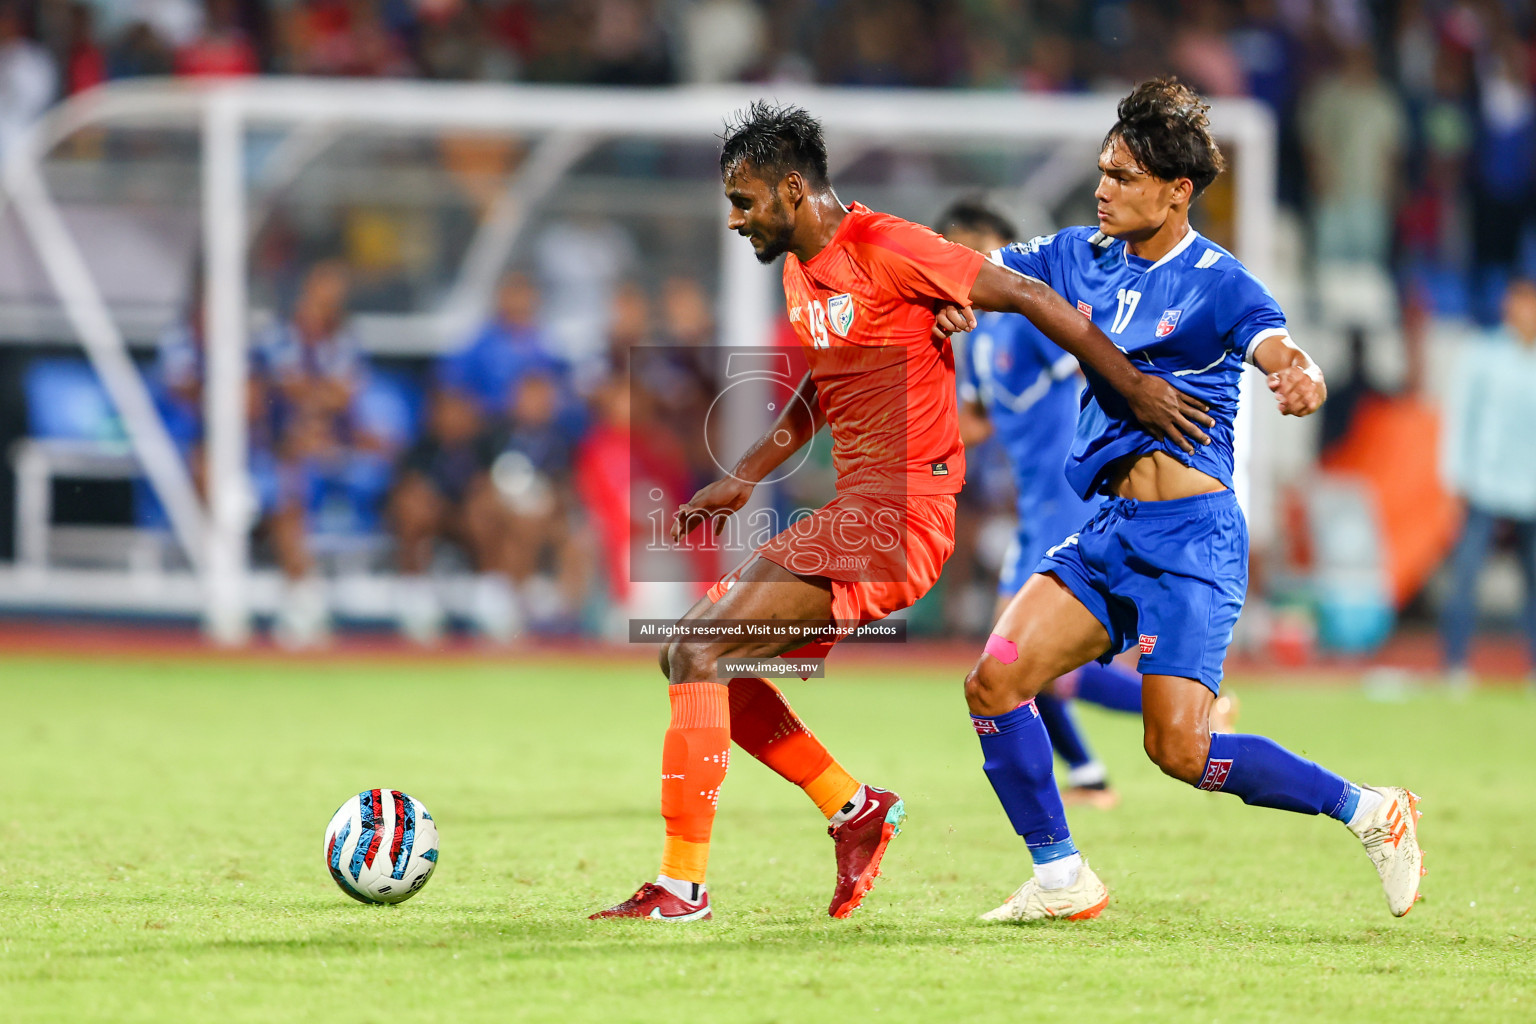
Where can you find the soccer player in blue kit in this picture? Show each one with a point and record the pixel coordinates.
(1016, 384)
(1162, 565)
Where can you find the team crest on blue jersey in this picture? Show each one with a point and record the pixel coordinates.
(1167, 322)
(840, 313)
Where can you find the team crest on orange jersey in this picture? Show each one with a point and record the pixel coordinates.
(840, 313)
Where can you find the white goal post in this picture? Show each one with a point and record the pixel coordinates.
(562, 124)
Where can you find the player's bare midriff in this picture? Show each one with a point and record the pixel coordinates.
(1158, 476)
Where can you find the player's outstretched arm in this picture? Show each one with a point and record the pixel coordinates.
(796, 424)
(1162, 409)
(1294, 378)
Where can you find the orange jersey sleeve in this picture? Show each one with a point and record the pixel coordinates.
(915, 262)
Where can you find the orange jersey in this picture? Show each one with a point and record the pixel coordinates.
(863, 310)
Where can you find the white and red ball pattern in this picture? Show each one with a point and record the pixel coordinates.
(381, 846)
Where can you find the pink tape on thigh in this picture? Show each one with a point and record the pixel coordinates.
(1003, 649)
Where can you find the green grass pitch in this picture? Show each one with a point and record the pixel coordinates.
(161, 830)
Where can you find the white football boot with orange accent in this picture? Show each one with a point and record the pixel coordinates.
(1085, 898)
(1391, 837)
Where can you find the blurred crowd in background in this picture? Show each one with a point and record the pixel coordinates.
(510, 458)
(1408, 130)
(1407, 161)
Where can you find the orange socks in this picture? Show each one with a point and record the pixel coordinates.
(706, 717)
(694, 758)
(762, 724)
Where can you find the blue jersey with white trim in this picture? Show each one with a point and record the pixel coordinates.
(1190, 318)
(1030, 389)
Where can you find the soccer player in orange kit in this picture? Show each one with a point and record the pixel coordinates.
(861, 288)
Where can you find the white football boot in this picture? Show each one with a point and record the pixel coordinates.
(1083, 899)
(1391, 837)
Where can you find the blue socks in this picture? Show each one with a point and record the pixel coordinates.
(1109, 686)
(1062, 729)
(1017, 754)
(1265, 774)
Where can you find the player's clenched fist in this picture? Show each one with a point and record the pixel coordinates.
(1300, 390)
(949, 318)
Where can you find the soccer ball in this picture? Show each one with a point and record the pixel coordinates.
(381, 846)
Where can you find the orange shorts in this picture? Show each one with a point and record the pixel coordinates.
(881, 552)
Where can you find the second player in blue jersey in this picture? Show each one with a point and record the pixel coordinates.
(1029, 391)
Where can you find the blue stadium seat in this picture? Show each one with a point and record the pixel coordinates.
(66, 400)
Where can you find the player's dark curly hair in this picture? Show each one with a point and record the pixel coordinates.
(775, 139)
(976, 213)
(1164, 125)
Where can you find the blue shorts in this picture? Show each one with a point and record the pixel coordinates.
(1041, 528)
(1168, 577)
